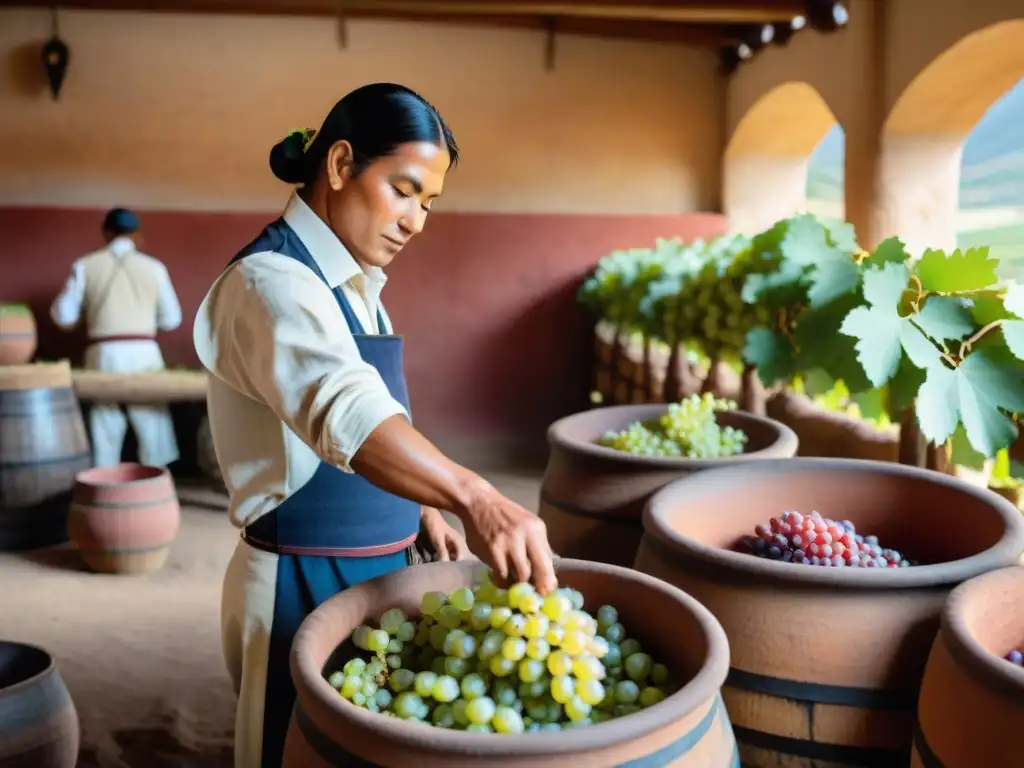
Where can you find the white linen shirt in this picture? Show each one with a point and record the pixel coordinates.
(118, 356)
(287, 386)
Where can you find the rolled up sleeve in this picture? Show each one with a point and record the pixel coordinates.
(275, 333)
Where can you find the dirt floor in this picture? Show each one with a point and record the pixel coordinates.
(141, 655)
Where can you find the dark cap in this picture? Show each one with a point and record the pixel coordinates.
(120, 221)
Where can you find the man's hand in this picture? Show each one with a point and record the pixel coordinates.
(447, 542)
(513, 541)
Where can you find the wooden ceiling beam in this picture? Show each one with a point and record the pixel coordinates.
(677, 11)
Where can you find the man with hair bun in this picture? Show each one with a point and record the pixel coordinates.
(124, 298)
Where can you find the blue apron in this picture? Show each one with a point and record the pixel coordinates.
(335, 531)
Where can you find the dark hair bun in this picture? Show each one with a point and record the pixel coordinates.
(287, 159)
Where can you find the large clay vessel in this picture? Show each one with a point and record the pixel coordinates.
(826, 434)
(124, 518)
(43, 445)
(972, 700)
(38, 721)
(826, 662)
(17, 334)
(689, 729)
(592, 497)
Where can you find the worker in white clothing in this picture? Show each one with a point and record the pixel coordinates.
(125, 297)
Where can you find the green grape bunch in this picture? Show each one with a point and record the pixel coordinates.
(491, 660)
(711, 305)
(688, 429)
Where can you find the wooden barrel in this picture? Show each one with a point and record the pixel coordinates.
(972, 698)
(826, 662)
(17, 334)
(592, 497)
(688, 729)
(43, 445)
(38, 721)
(124, 518)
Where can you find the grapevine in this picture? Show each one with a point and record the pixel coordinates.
(687, 429)
(934, 344)
(491, 660)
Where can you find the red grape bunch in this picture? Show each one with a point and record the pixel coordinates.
(816, 540)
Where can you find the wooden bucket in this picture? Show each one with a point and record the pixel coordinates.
(43, 445)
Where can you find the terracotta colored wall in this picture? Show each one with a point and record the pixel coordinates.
(174, 115)
(497, 347)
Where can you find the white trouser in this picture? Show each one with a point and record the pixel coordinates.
(152, 424)
(247, 614)
(153, 427)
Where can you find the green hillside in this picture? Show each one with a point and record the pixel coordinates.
(993, 162)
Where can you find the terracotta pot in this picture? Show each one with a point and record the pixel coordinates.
(688, 729)
(592, 497)
(17, 334)
(43, 446)
(972, 700)
(827, 434)
(826, 662)
(38, 721)
(124, 518)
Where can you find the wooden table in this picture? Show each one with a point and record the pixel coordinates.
(170, 386)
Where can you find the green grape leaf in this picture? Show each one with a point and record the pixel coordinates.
(818, 381)
(970, 270)
(804, 240)
(975, 394)
(834, 276)
(882, 335)
(1013, 300)
(782, 287)
(889, 251)
(822, 346)
(944, 317)
(964, 454)
(986, 309)
(771, 353)
(843, 236)
(871, 403)
(832, 272)
(1013, 330)
(904, 386)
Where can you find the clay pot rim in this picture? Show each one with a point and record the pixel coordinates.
(784, 445)
(1005, 550)
(996, 673)
(15, 309)
(102, 476)
(51, 665)
(702, 688)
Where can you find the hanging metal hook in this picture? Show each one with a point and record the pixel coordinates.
(342, 25)
(551, 25)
